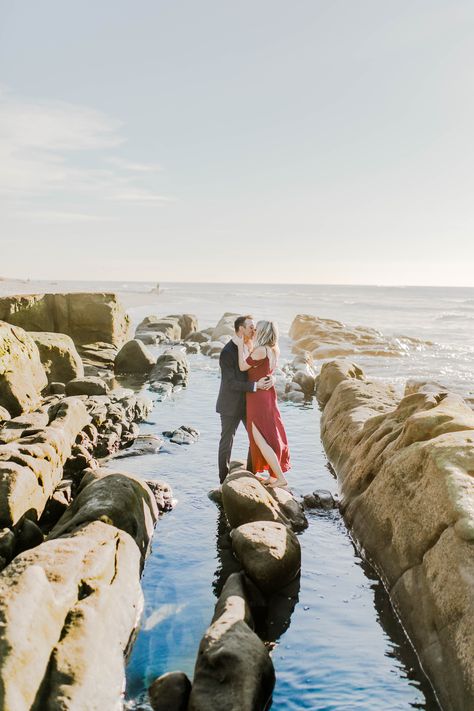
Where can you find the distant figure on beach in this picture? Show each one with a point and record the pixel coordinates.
(231, 404)
(268, 442)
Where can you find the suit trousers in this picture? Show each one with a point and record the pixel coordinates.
(229, 425)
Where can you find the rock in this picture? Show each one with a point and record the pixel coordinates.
(162, 493)
(306, 382)
(269, 552)
(59, 356)
(149, 339)
(292, 510)
(32, 466)
(4, 414)
(23, 424)
(320, 499)
(87, 386)
(173, 367)
(27, 535)
(225, 327)
(22, 375)
(118, 499)
(57, 388)
(245, 499)
(68, 609)
(332, 374)
(215, 495)
(143, 444)
(170, 692)
(97, 356)
(233, 669)
(183, 435)
(58, 503)
(7, 544)
(198, 337)
(86, 317)
(192, 348)
(295, 396)
(163, 390)
(405, 470)
(187, 322)
(168, 326)
(133, 357)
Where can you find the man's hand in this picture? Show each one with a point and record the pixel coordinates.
(266, 383)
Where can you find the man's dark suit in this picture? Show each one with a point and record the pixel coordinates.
(231, 404)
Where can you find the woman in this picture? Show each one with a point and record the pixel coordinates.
(268, 442)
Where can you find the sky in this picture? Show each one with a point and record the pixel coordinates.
(311, 141)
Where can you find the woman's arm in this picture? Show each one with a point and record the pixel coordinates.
(257, 354)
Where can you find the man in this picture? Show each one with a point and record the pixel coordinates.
(231, 400)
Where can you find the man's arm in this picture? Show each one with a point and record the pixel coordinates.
(228, 375)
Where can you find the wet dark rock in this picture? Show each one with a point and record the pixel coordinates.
(215, 495)
(58, 503)
(183, 435)
(7, 544)
(171, 367)
(192, 348)
(143, 444)
(55, 388)
(170, 692)
(320, 499)
(87, 386)
(163, 494)
(163, 390)
(28, 535)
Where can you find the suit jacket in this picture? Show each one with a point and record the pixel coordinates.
(234, 383)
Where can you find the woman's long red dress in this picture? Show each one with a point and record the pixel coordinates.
(262, 410)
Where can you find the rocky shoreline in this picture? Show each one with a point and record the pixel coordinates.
(76, 532)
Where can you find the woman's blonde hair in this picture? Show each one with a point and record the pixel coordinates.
(266, 334)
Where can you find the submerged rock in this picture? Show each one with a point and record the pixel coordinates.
(183, 435)
(320, 499)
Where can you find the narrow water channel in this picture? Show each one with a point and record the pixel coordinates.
(342, 648)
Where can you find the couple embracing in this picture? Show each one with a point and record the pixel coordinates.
(247, 394)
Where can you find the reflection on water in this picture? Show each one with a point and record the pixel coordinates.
(338, 644)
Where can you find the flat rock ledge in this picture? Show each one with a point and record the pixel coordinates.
(405, 469)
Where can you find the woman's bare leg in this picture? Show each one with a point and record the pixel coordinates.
(276, 474)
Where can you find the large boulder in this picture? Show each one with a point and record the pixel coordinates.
(233, 669)
(86, 317)
(170, 692)
(332, 374)
(31, 466)
(59, 356)
(245, 499)
(405, 469)
(269, 552)
(118, 499)
(225, 326)
(134, 357)
(22, 375)
(68, 609)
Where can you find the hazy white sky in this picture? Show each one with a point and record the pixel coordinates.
(264, 140)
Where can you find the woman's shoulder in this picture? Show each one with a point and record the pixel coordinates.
(259, 353)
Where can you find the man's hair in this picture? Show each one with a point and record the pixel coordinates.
(240, 321)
